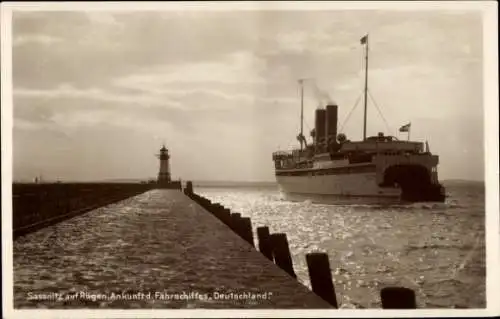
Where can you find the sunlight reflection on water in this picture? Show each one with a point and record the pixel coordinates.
(419, 246)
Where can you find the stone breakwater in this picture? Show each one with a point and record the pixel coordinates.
(38, 205)
(158, 249)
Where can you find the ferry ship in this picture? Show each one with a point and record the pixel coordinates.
(379, 167)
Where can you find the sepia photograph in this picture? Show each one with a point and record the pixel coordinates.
(269, 157)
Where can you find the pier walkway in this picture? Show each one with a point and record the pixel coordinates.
(158, 249)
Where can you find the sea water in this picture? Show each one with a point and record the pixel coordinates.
(436, 249)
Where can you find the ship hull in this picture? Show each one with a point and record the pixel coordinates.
(349, 188)
(339, 199)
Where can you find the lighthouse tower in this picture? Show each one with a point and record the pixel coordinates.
(164, 173)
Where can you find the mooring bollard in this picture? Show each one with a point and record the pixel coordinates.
(281, 253)
(321, 277)
(265, 242)
(246, 229)
(398, 298)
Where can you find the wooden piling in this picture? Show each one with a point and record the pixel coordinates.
(321, 277)
(189, 187)
(206, 203)
(246, 228)
(216, 210)
(196, 197)
(235, 223)
(398, 298)
(226, 216)
(265, 242)
(281, 253)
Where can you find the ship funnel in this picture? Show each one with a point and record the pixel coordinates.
(331, 123)
(320, 126)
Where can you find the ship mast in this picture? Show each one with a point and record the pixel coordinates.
(364, 40)
(301, 82)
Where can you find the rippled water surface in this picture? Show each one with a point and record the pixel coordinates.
(436, 249)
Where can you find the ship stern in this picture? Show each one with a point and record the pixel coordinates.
(415, 175)
(429, 193)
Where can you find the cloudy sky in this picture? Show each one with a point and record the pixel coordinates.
(97, 93)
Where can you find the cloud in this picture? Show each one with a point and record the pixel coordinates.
(136, 92)
(226, 83)
(96, 48)
(35, 38)
(191, 112)
(66, 91)
(237, 67)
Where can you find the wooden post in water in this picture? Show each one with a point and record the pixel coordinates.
(321, 277)
(246, 228)
(398, 298)
(189, 187)
(226, 216)
(235, 223)
(195, 197)
(281, 253)
(206, 203)
(216, 210)
(265, 242)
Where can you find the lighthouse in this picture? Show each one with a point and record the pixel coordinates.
(164, 178)
(164, 173)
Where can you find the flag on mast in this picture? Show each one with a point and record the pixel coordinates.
(405, 128)
(364, 39)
